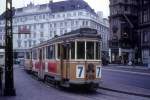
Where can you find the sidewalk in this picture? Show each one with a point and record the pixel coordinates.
(125, 89)
(142, 69)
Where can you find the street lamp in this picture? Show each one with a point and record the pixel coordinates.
(9, 89)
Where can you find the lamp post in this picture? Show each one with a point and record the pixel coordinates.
(9, 89)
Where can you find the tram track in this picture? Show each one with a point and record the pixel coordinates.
(97, 93)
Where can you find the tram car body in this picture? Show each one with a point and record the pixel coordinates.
(71, 59)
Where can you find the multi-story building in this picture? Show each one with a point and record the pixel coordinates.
(128, 25)
(144, 29)
(48, 20)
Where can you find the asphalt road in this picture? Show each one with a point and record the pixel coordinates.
(28, 88)
(131, 78)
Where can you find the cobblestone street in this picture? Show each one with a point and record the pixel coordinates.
(28, 88)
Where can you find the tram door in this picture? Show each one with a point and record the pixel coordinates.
(65, 61)
(41, 65)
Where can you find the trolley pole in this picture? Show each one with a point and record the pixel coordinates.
(9, 89)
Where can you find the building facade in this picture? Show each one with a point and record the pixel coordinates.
(127, 27)
(144, 29)
(48, 20)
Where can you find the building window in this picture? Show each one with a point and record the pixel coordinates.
(65, 31)
(1, 37)
(43, 16)
(58, 16)
(34, 35)
(61, 24)
(41, 35)
(54, 33)
(29, 35)
(34, 43)
(83, 23)
(77, 22)
(126, 1)
(25, 36)
(126, 8)
(25, 43)
(68, 14)
(65, 23)
(86, 23)
(54, 24)
(64, 16)
(145, 37)
(61, 32)
(42, 25)
(34, 26)
(50, 25)
(80, 13)
(50, 33)
(72, 23)
(30, 44)
(19, 44)
(74, 14)
(19, 36)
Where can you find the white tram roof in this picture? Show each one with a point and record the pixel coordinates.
(76, 34)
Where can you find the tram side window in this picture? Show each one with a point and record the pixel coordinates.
(51, 52)
(34, 52)
(72, 50)
(28, 55)
(90, 50)
(97, 50)
(43, 53)
(80, 50)
(64, 52)
(58, 51)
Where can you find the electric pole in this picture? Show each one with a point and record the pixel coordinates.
(9, 89)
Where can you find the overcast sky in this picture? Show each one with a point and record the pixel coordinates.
(97, 5)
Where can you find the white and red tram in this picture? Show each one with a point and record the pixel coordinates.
(70, 59)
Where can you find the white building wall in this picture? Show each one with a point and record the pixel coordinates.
(51, 24)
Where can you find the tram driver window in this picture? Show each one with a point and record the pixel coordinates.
(27, 55)
(72, 50)
(58, 52)
(34, 53)
(80, 50)
(90, 50)
(97, 50)
(51, 52)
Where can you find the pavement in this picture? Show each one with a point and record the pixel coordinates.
(28, 88)
(141, 69)
(134, 80)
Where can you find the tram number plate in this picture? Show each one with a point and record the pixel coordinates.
(80, 71)
(98, 72)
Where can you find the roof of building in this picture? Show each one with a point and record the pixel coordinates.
(62, 6)
(69, 5)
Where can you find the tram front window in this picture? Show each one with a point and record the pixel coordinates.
(97, 50)
(72, 50)
(90, 50)
(34, 54)
(27, 55)
(80, 50)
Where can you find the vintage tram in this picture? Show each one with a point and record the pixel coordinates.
(70, 59)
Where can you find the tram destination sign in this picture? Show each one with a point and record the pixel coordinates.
(88, 31)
